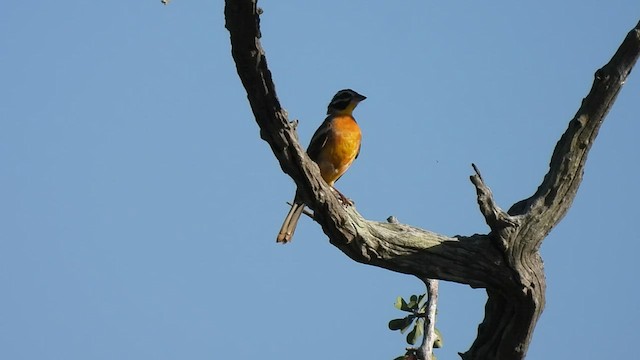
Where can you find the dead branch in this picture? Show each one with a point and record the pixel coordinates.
(506, 261)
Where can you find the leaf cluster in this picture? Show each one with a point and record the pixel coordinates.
(417, 308)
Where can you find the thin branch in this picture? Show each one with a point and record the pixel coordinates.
(495, 217)
(558, 189)
(304, 211)
(426, 349)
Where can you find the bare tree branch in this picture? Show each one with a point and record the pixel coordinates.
(426, 349)
(506, 261)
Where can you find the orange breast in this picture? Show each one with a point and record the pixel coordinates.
(341, 148)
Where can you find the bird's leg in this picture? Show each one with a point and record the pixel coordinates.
(343, 199)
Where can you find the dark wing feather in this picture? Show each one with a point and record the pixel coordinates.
(319, 139)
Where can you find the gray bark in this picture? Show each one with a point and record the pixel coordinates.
(426, 349)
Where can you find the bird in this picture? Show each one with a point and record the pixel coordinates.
(334, 146)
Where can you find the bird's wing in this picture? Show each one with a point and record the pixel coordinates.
(319, 139)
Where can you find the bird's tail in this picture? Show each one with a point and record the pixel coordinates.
(290, 222)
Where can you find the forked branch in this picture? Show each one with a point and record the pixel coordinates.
(505, 261)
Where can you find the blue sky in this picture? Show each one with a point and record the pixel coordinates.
(139, 208)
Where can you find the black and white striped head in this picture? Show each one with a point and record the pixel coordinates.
(344, 101)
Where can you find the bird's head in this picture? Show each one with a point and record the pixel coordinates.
(344, 101)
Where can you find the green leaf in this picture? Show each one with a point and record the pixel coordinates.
(419, 330)
(396, 324)
(407, 324)
(416, 333)
(411, 336)
(400, 304)
(438, 342)
(413, 302)
(401, 324)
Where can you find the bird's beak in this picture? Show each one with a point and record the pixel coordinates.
(360, 97)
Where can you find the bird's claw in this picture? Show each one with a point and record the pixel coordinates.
(346, 202)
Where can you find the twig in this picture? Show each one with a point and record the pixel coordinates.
(495, 217)
(426, 349)
(304, 211)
